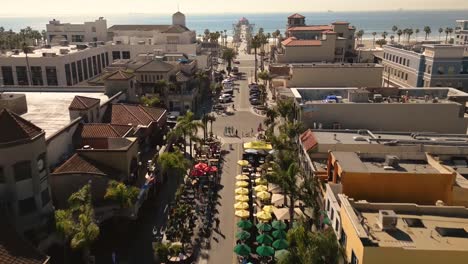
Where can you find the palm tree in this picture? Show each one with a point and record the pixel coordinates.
(174, 162)
(228, 55)
(447, 31)
(255, 43)
(211, 119)
(270, 120)
(373, 41)
(409, 32)
(394, 29)
(121, 193)
(150, 101)
(440, 32)
(77, 224)
(384, 35)
(399, 33)
(450, 31)
(190, 126)
(286, 109)
(427, 30)
(392, 38)
(207, 34)
(416, 31)
(360, 34)
(26, 50)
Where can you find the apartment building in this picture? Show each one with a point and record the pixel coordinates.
(77, 33)
(429, 65)
(461, 33)
(316, 43)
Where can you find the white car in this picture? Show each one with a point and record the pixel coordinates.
(225, 98)
(225, 81)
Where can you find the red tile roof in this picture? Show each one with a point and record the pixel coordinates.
(83, 103)
(78, 164)
(293, 42)
(308, 140)
(329, 32)
(124, 114)
(103, 130)
(14, 128)
(296, 15)
(119, 75)
(14, 249)
(311, 28)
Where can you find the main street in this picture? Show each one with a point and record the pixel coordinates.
(244, 120)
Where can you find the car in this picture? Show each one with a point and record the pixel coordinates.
(255, 102)
(253, 85)
(254, 92)
(227, 81)
(228, 91)
(224, 98)
(218, 107)
(236, 62)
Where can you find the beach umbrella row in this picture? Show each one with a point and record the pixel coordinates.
(244, 224)
(242, 198)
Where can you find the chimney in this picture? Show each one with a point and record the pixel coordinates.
(387, 220)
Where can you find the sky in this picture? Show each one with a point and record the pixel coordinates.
(63, 7)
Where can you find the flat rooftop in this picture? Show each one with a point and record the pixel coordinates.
(38, 53)
(418, 227)
(334, 65)
(49, 110)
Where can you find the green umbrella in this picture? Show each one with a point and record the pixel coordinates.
(281, 244)
(264, 239)
(264, 227)
(265, 251)
(242, 250)
(278, 225)
(244, 224)
(279, 254)
(279, 234)
(243, 235)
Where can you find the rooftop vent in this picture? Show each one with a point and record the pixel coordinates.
(64, 51)
(387, 219)
(81, 46)
(414, 222)
(48, 54)
(391, 161)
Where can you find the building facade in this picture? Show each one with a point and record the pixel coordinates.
(77, 33)
(461, 33)
(24, 177)
(437, 65)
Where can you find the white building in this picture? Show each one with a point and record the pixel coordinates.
(461, 32)
(75, 33)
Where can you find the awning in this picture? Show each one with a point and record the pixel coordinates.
(258, 145)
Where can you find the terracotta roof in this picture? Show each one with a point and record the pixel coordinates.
(308, 140)
(16, 250)
(155, 66)
(83, 103)
(103, 130)
(79, 164)
(119, 75)
(182, 77)
(296, 15)
(15, 128)
(311, 28)
(124, 114)
(160, 28)
(329, 32)
(292, 41)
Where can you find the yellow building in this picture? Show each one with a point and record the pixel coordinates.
(403, 233)
(402, 178)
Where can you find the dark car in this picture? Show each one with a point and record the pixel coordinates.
(218, 107)
(254, 92)
(255, 101)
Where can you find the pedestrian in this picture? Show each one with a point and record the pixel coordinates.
(217, 223)
(252, 131)
(236, 133)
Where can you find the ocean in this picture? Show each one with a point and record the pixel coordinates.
(377, 21)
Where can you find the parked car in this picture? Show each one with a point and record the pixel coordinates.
(255, 101)
(225, 98)
(227, 81)
(172, 118)
(228, 91)
(253, 85)
(218, 107)
(236, 62)
(254, 91)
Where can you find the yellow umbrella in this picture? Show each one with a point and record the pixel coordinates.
(264, 216)
(257, 145)
(263, 195)
(242, 213)
(260, 188)
(241, 205)
(269, 208)
(242, 191)
(242, 198)
(242, 162)
(261, 181)
(242, 177)
(242, 184)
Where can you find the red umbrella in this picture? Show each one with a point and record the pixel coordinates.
(197, 173)
(213, 169)
(201, 166)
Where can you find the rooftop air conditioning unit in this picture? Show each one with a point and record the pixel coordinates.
(93, 44)
(100, 43)
(64, 51)
(48, 54)
(391, 161)
(387, 220)
(118, 42)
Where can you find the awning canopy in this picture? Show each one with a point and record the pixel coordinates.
(258, 145)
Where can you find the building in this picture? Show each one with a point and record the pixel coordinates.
(325, 74)
(383, 109)
(96, 135)
(170, 35)
(24, 177)
(316, 43)
(402, 232)
(77, 33)
(461, 33)
(434, 65)
(85, 107)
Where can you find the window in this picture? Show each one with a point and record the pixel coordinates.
(22, 170)
(90, 68)
(74, 76)
(80, 71)
(407, 63)
(414, 222)
(22, 75)
(7, 73)
(343, 238)
(401, 59)
(429, 69)
(93, 29)
(85, 69)
(406, 76)
(45, 197)
(27, 206)
(337, 226)
(103, 60)
(99, 63)
(2, 175)
(36, 74)
(107, 59)
(51, 76)
(440, 70)
(126, 55)
(68, 74)
(451, 70)
(77, 38)
(451, 232)
(116, 55)
(332, 216)
(354, 259)
(94, 66)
